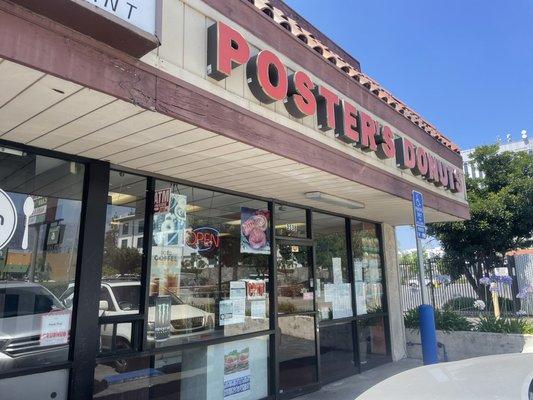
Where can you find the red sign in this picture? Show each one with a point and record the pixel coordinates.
(162, 200)
(203, 239)
(268, 80)
(255, 290)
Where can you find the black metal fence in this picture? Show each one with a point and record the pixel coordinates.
(456, 294)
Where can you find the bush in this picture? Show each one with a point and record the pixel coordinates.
(460, 303)
(504, 325)
(445, 320)
(286, 308)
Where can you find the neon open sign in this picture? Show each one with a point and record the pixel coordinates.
(203, 239)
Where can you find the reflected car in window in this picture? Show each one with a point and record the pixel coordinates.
(121, 297)
(22, 308)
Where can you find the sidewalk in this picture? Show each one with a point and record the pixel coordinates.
(351, 387)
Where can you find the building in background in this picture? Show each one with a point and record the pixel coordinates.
(524, 144)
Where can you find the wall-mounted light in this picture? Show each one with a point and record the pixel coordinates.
(7, 150)
(337, 201)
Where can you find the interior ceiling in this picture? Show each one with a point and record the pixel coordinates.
(44, 111)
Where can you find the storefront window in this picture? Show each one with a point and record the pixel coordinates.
(209, 265)
(234, 370)
(368, 274)
(40, 207)
(333, 289)
(290, 221)
(372, 342)
(122, 261)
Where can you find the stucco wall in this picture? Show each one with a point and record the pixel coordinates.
(397, 330)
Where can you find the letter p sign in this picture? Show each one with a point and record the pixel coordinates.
(226, 49)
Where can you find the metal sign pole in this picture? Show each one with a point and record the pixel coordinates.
(428, 335)
(423, 286)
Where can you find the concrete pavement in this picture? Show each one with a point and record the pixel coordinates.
(351, 387)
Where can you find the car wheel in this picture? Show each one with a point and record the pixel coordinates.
(122, 365)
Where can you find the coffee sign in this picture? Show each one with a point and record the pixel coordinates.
(269, 82)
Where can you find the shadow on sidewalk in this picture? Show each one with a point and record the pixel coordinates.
(353, 386)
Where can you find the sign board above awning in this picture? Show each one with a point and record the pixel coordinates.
(139, 13)
(127, 25)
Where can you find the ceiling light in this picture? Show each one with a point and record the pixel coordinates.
(337, 201)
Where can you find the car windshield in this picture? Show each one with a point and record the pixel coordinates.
(20, 301)
(127, 296)
(175, 300)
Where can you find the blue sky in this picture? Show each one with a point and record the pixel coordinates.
(465, 65)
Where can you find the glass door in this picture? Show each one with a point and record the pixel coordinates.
(297, 356)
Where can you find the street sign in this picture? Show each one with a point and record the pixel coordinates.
(418, 213)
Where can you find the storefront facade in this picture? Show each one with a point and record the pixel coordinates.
(197, 203)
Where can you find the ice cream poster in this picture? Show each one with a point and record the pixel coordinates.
(255, 231)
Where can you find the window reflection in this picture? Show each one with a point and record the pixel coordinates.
(368, 275)
(209, 265)
(337, 351)
(40, 206)
(372, 342)
(229, 370)
(294, 274)
(333, 289)
(297, 351)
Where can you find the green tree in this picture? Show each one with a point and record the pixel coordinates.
(120, 260)
(501, 208)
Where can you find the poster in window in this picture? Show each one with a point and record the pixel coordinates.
(236, 371)
(163, 310)
(225, 313)
(169, 226)
(55, 328)
(162, 200)
(255, 290)
(237, 290)
(255, 231)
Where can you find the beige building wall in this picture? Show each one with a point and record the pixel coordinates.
(394, 300)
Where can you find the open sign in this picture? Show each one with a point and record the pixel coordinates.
(203, 239)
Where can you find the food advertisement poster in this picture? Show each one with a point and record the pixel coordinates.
(236, 371)
(55, 328)
(255, 231)
(255, 290)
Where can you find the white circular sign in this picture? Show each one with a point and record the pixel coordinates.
(8, 219)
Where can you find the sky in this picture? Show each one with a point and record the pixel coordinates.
(466, 66)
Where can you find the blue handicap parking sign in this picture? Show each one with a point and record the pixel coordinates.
(418, 213)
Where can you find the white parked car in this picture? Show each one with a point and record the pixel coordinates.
(120, 297)
(499, 377)
(22, 306)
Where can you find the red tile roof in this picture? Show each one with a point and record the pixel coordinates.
(374, 87)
